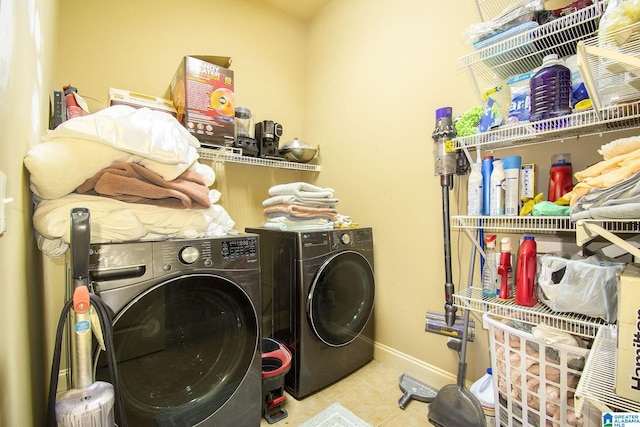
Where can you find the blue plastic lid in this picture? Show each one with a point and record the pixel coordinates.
(443, 112)
(512, 162)
(528, 238)
(489, 371)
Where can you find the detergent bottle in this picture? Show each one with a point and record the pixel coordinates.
(526, 273)
(560, 176)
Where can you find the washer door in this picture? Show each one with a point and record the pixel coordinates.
(183, 347)
(340, 299)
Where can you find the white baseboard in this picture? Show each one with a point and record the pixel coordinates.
(424, 372)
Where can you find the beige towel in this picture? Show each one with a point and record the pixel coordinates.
(301, 211)
(133, 183)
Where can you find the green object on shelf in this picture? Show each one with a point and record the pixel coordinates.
(550, 209)
(467, 123)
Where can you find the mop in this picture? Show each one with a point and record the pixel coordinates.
(88, 403)
(454, 405)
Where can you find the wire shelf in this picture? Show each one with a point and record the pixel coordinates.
(489, 9)
(597, 383)
(524, 52)
(531, 224)
(583, 123)
(234, 155)
(578, 324)
(612, 66)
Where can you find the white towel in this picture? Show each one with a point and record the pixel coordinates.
(287, 224)
(301, 189)
(302, 201)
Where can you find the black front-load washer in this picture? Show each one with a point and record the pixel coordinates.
(186, 329)
(318, 294)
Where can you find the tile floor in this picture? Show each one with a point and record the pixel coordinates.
(372, 393)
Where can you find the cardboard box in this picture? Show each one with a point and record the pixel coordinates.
(628, 354)
(202, 93)
(139, 100)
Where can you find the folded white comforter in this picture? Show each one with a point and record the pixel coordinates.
(117, 221)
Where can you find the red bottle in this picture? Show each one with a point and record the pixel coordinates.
(526, 280)
(505, 271)
(560, 176)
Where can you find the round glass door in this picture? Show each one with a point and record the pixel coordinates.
(182, 349)
(340, 300)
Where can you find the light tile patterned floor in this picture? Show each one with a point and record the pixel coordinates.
(372, 393)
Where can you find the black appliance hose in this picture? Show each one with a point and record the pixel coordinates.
(105, 323)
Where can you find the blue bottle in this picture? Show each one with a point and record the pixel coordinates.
(487, 168)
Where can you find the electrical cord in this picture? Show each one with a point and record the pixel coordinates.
(104, 317)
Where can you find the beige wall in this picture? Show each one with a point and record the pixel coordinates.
(362, 79)
(27, 31)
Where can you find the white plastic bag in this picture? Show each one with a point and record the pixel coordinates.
(586, 286)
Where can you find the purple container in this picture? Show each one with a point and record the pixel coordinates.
(550, 90)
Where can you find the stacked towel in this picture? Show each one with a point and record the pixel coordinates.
(300, 206)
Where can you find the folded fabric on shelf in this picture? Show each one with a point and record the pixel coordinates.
(116, 221)
(605, 174)
(620, 201)
(301, 189)
(284, 223)
(298, 211)
(303, 201)
(133, 183)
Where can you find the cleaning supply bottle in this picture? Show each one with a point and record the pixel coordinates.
(483, 390)
(512, 185)
(474, 190)
(560, 176)
(505, 271)
(526, 273)
(496, 198)
(487, 168)
(550, 90)
(490, 268)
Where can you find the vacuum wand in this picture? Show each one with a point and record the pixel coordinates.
(445, 166)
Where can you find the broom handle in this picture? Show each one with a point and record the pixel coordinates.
(462, 368)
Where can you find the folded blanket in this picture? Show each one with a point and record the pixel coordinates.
(301, 189)
(287, 224)
(621, 201)
(605, 174)
(298, 211)
(59, 166)
(116, 221)
(130, 182)
(303, 201)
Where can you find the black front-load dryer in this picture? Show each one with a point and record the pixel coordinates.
(318, 294)
(186, 329)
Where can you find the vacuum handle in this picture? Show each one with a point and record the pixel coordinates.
(80, 241)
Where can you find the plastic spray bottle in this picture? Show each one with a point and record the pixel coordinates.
(490, 268)
(505, 271)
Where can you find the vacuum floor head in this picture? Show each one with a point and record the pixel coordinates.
(414, 389)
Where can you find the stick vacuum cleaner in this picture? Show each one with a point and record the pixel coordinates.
(454, 405)
(89, 403)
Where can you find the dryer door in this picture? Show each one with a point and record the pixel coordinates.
(183, 347)
(340, 300)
